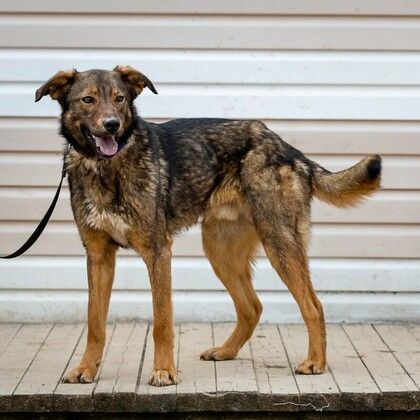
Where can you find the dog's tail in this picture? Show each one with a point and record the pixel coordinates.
(347, 188)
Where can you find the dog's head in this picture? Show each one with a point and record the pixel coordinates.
(98, 114)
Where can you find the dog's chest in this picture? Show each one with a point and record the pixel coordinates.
(104, 213)
(109, 221)
(112, 223)
(103, 198)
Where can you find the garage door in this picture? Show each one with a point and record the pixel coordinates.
(338, 80)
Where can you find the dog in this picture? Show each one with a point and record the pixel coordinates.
(136, 184)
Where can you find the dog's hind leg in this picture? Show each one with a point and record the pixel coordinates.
(230, 248)
(292, 267)
(101, 266)
(279, 199)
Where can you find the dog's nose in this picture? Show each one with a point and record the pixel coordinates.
(111, 124)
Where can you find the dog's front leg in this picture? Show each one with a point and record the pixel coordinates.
(158, 263)
(101, 267)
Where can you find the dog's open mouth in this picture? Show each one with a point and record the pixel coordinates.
(107, 145)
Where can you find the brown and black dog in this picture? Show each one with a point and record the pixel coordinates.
(136, 184)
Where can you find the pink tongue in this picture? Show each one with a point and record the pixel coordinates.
(107, 144)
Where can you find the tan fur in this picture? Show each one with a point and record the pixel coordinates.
(227, 202)
(346, 188)
(230, 247)
(101, 266)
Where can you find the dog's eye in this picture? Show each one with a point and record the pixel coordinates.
(119, 98)
(87, 99)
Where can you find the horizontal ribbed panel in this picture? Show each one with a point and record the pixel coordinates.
(236, 7)
(338, 80)
(210, 32)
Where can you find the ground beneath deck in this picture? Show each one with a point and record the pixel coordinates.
(372, 367)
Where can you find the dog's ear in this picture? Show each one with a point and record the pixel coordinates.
(58, 86)
(134, 80)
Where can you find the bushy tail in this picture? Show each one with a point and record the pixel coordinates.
(347, 188)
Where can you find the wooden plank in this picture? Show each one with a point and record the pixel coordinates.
(78, 397)
(16, 359)
(7, 333)
(197, 389)
(398, 390)
(404, 347)
(358, 389)
(318, 392)
(237, 7)
(35, 390)
(369, 368)
(151, 398)
(273, 372)
(414, 330)
(234, 375)
(210, 32)
(236, 382)
(116, 387)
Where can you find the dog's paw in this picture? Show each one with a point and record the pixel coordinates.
(163, 378)
(310, 367)
(219, 353)
(81, 375)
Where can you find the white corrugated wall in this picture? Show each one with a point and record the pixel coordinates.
(336, 79)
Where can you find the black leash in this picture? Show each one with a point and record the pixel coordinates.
(41, 226)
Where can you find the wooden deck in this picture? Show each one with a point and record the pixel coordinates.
(371, 368)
